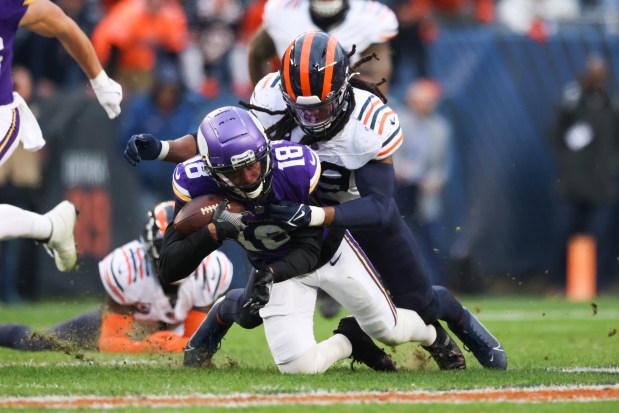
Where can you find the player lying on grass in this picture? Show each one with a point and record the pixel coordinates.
(237, 160)
(139, 315)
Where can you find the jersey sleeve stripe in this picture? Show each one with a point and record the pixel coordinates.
(316, 178)
(142, 263)
(370, 111)
(112, 287)
(181, 193)
(266, 81)
(393, 147)
(383, 120)
(375, 116)
(111, 269)
(129, 268)
(364, 107)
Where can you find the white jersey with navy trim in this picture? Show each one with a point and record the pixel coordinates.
(365, 23)
(129, 279)
(373, 132)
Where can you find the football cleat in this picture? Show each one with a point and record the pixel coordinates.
(478, 340)
(61, 244)
(445, 351)
(206, 340)
(363, 348)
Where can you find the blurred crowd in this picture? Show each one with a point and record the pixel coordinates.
(179, 59)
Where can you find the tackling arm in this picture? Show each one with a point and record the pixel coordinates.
(376, 182)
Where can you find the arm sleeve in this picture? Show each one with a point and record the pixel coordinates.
(375, 181)
(302, 257)
(181, 255)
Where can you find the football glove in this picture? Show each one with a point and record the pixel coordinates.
(142, 146)
(228, 224)
(108, 92)
(260, 290)
(295, 215)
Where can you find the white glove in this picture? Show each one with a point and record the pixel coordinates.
(109, 93)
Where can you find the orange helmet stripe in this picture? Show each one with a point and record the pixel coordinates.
(286, 76)
(329, 60)
(304, 64)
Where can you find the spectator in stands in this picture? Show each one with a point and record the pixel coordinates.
(168, 109)
(422, 167)
(131, 37)
(213, 33)
(585, 144)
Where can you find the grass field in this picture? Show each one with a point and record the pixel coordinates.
(562, 357)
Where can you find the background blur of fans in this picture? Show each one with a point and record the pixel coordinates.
(501, 67)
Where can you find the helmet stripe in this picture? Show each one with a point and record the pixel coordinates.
(306, 50)
(330, 58)
(286, 74)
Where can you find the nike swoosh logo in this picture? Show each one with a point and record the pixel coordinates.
(177, 174)
(333, 262)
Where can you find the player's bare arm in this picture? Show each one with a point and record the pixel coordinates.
(47, 19)
(181, 149)
(261, 50)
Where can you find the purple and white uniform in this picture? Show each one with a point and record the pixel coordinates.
(17, 123)
(346, 274)
(296, 170)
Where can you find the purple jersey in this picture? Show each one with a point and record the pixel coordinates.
(11, 13)
(296, 170)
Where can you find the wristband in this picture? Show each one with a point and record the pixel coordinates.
(317, 216)
(165, 148)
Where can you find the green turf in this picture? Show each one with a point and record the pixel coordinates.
(545, 340)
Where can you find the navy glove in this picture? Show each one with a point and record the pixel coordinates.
(290, 213)
(260, 290)
(228, 224)
(142, 146)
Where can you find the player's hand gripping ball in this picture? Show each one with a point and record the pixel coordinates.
(198, 212)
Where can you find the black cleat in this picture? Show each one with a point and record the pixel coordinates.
(445, 351)
(364, 350)
(478, 340)
(206, 340)
(197, 358)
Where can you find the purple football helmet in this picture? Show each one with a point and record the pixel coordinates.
(230, 139)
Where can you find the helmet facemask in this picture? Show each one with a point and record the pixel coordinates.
(230, 140)
(315, 116)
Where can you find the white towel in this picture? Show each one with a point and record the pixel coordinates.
(29, 130)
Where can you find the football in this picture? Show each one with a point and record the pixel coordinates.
(199, 212)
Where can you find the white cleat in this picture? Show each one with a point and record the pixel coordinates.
(62, 242)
